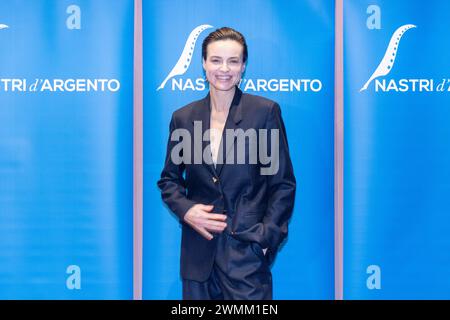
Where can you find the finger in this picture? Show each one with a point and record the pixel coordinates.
(214, 223)
(217, 216)
(214, 228)
(200, 229)
(206, 207)
(205, 233)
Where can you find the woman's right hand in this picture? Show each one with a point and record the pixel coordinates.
(204, 222)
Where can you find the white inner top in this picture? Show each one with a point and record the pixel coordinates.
(215, 137)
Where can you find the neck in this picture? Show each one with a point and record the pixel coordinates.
(221, 100)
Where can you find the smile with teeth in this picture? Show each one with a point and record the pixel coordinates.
(223, 78)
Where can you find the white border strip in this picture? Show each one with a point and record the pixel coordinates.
(137, 153)
(339, 154)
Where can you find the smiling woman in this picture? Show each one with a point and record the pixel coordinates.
(234, 215)
(224, 65)
(224, 54)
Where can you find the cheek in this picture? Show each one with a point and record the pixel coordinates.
(210, 70)
(210, 76)
(209, 73)
(238, 74)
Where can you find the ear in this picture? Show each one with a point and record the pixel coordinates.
(204, 64)
(243, 67)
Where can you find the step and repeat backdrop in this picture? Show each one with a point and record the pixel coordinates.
(66, 157)
(66, 142)
(291, 60)
(397, 154)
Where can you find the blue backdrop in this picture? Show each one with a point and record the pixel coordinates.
(397, 155)
(66, 144)
(291, 60)
(66, 149)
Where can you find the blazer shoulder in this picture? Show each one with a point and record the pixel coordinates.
(186, 111)
(254, 101)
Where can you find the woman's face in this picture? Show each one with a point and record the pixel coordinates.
(224, 64)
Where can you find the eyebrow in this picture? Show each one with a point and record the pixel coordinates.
(235, 57)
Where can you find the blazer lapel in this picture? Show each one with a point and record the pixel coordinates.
(202, 117)
(233, 119)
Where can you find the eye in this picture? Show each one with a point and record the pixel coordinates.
(215, 60)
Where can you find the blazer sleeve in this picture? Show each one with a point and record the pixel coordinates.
(172, 183)
(281, 187)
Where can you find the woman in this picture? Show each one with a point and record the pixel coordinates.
(234, 210)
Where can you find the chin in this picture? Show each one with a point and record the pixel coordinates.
(223, 87)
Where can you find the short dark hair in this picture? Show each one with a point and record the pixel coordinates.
(225, 33)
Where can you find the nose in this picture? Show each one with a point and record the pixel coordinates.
(224, 67)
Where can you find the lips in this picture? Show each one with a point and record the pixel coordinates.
(223, 78)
